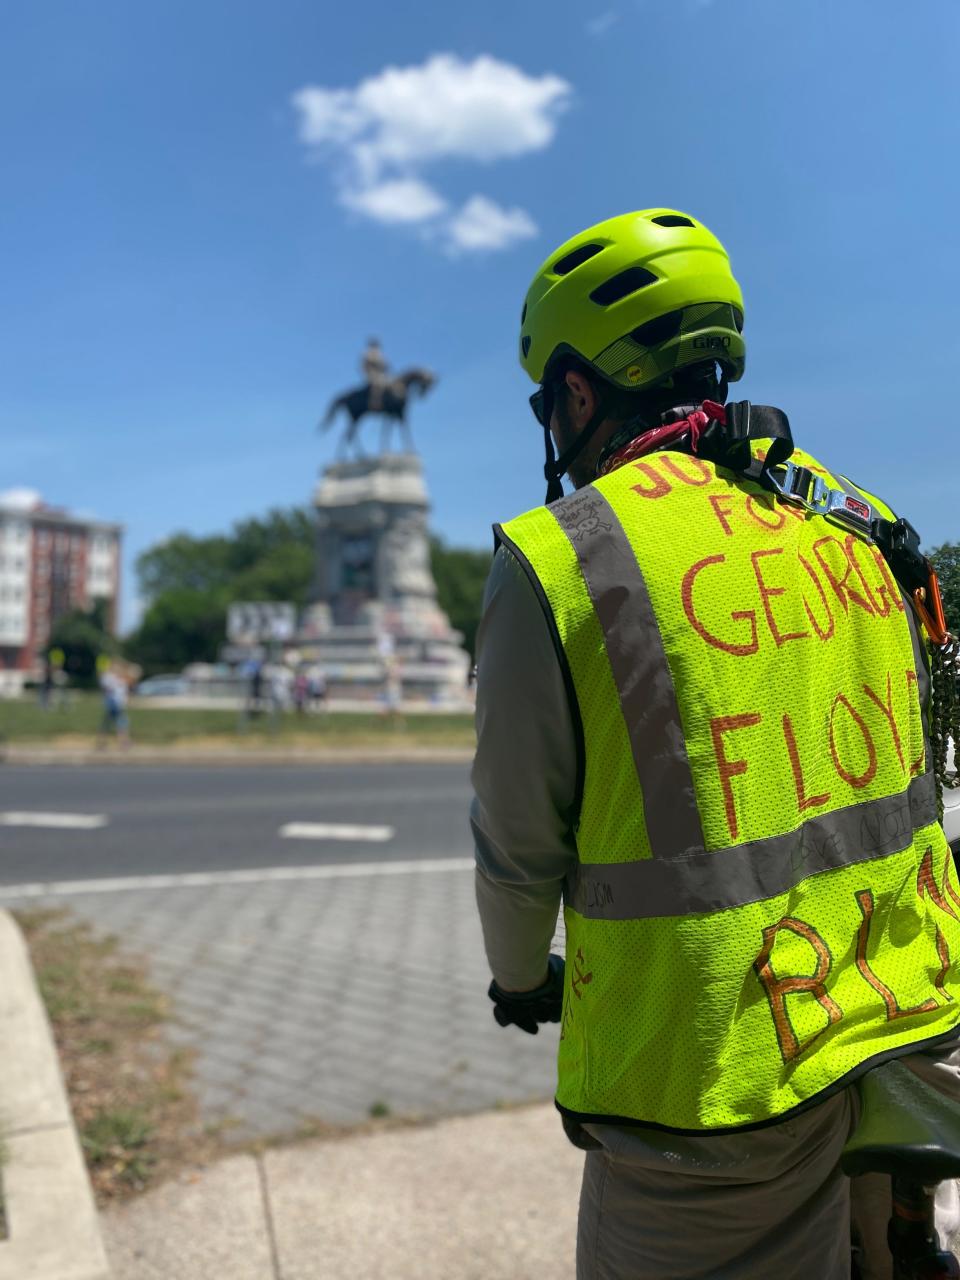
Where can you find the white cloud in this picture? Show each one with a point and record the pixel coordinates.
(383, 132)
(327, 115)
(480, 110)
(600, 25)
(482, 225)
(396, 200)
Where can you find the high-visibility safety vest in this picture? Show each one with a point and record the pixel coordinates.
(764, 904)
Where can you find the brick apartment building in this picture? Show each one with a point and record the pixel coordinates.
(50, 562)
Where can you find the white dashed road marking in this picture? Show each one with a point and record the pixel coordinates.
(61, 821)
(334, 831)
(212, 879)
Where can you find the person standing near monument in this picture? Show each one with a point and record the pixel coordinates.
(114, 686)
(703, 724)
(375, 370)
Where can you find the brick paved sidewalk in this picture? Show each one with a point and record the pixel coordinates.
(320, 1001)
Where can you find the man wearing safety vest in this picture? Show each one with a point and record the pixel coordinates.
(702, 713)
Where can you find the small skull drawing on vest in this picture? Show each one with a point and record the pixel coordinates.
(581, 517)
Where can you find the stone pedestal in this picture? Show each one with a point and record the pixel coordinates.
(374, 625)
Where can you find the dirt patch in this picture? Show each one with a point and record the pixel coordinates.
(129, 1089)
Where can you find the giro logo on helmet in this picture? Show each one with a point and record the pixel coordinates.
(710, 342)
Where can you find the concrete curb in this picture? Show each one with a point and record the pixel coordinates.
(54, 1231)
(222, 758)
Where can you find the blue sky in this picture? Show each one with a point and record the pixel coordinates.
(194, 250)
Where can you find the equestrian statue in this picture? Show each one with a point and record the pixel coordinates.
(383, 393)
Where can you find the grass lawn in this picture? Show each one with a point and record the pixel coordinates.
(22, 721)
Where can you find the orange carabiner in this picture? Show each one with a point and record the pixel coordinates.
(929, 605)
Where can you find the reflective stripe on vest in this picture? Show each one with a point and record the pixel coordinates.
(764, 900)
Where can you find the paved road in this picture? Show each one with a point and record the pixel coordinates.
(173, 820)
(357, 981)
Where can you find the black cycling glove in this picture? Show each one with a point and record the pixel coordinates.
(527, 1009)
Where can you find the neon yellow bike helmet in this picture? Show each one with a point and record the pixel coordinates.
(635, 297)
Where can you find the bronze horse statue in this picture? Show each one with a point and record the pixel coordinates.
(394, 397)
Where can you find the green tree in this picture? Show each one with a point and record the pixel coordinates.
(182, 625)
(189, 582)
(256, 539)
(183, 561)
(285, 572)
(460, 574)
(219, 561)
(83, 635)
(946, 561)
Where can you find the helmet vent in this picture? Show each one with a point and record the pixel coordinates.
(523, 314)
(659, 330)
(672, 220)
(738, 319)
(622, 285)
(525, 343)
(577, 258)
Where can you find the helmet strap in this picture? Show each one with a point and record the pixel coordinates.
(555, 467)
(551, 474)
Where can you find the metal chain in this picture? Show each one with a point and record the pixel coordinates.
(945, 712)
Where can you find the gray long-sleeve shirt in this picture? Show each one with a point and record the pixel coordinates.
(524, 778)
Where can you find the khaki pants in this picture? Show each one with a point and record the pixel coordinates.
(770, 1204)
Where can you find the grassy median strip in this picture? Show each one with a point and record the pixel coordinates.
(22, 720)
(129, 1091)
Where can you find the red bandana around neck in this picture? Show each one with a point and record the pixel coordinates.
(669, 433)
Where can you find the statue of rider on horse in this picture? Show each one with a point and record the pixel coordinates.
(383, 393)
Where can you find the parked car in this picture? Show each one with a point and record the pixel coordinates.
(951, 809)
(162, 686)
